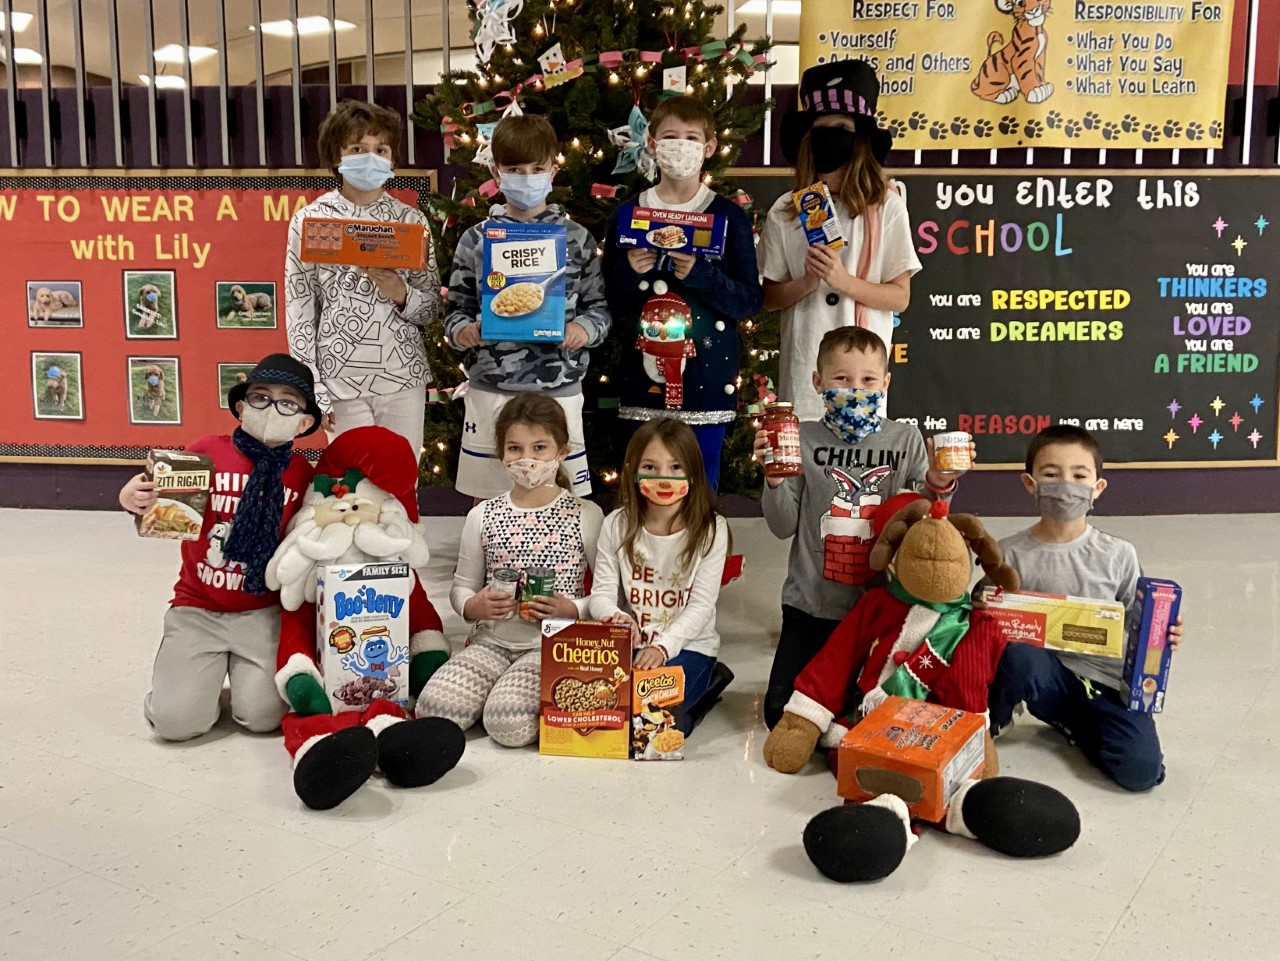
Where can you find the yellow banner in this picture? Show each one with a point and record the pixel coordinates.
(1029, 73)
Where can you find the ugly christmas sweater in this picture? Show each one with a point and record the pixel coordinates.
(680, 344)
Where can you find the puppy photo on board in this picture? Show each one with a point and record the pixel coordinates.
(154, 396)
(149, 304)
(246, 304)
(56, 390)
(228, 376)
(54, 303)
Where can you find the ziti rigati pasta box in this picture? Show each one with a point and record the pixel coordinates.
(182, 482)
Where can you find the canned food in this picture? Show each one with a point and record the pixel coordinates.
(505, 580)
(537, 582)
(951, 450)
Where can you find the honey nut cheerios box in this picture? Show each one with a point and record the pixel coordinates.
(586, 689)
(363, 243)
(182, 490)
(522, 287)
(657, 714)
(362, 633)
(1058, 622)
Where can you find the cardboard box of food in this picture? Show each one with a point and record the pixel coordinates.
(686, 231)
(817, 213)
(586, 689)
(522, 286)
(182, 485)
(921, 752)
(362, 633)
(1059, 622)
(657, 715)
(1146, 660)
(364, 243)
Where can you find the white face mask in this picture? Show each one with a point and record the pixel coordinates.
(680, 159)
(269, 426)
(529, 472)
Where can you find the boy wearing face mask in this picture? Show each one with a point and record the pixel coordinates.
(360, 329)
(710, 295)
(1063, 554)
(222, 620)
(524, 166)
(854, 460)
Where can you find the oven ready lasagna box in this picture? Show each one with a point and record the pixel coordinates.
(362, 633)
(1059, 622)
(688, 232)
(182, 484)
(586, 689)
(364, 243)
(1146, 661)
(522, 282)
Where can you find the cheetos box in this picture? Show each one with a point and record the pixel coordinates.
(362, 633)
(522, 285)
(1146, 659)
(683, 231)
(1058, 622)
(364, 243)
(657, 714)
(586, 689)
(920, 752)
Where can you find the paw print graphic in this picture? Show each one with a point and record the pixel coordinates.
(982, 128)
(938, 130)
(1110, 131)
(1071, 128)
(1172, 128)
(1151, 133)
(1053, 119)
(881, 118)
(895, 127)
(1008, 124)
(1129, 124)
(917, 120)
(959, 126)
(1033, 130)
(1195, 131)
(1215, 130)
(1090, 120)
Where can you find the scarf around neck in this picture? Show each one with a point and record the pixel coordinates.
(255, 529)
(940, 643)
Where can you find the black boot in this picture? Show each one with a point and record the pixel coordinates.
(1022, 819)
(334, 767)
(856, 842)
(420, 752)
(721, 678)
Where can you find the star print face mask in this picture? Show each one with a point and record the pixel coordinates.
(852, 414)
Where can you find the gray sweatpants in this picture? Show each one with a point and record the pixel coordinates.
(199, 650)
(488, 680)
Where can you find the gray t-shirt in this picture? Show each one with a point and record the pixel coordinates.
(1094, 565)
(828, 508)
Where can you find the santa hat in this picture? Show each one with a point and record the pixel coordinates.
(384, 458)
(884, 513)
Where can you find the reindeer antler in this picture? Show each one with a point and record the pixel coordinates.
(987, 550)
(887, 544)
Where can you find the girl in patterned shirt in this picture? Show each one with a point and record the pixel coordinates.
(538, 524)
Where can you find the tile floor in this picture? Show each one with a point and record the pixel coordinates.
(114, 845)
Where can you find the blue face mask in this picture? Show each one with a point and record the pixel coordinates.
(526, 191)
(852, 414)
(153, 380)
(365, 171)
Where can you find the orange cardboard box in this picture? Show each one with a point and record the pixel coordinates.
(586, 689)
(364, 243)
(921, 752)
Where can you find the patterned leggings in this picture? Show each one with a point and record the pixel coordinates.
(487, 679)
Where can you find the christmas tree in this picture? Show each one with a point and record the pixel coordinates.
(595, 70)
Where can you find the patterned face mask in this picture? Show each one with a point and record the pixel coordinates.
(662, 491)
(852, 414)
(529, 472)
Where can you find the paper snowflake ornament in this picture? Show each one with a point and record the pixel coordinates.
(493, 20)
(632, 144)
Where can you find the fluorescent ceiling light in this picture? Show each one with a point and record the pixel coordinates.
(20, 22)
(173, 53)
(781, 8)
(307, 27)
(163, 82)
(23, 55)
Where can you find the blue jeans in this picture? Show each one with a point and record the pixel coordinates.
(1121, 743)
(710, 442)
(697, 676)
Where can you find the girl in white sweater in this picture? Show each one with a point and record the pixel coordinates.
(660, 562)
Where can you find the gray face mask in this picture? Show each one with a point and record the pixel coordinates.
(269, 426)
(1063, 500)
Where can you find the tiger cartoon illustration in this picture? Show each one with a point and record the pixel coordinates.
(1017, 66)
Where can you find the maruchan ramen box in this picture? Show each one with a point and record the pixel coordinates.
(182, 486)
(921, 752)
(817, 214)
(586, 689)
(685, 231)
(1146, 661)
(657, 714)
(522, 282)
(364, 243)
(1059, 622)
(362, 633)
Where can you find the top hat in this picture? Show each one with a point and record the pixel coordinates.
(847, 88)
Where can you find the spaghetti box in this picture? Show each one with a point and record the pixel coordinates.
(362, 633)
(182, 490)
(688, 232)
(817, 213)
(920, 752)
(1058, 621)
(1146, 661)
(364, 243)
(522, 291)
(657, 714)
(586, 689)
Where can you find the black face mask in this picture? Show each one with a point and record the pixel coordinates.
(831, 146)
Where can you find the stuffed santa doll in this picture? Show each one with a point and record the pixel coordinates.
(362, 508)
(916, 638)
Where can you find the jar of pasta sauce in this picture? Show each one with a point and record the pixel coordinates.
(782, 459)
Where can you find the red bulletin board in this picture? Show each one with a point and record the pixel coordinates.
(82, 253)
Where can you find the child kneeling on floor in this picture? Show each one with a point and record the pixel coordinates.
(661, 559)
(537, 524)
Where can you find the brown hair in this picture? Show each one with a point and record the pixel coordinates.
(864, 183)
(351, 120)
(524, 139)
(1064, 434)
(850, 338)
(534, 410)
(687, 108)
(698, 509)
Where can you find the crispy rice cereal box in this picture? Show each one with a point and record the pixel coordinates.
(363, 243)
(586, 689)
(362, 633)
(657, 714)
(182, 482)
(522, 286)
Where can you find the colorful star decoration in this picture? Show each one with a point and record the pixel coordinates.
(1217, 405)
(1174, 407)
(1254, 438)
(1262, 223)
(1239, 244)
(1170, 437)
(1235, 421)
(1255, 402)
(1195, 423)
(1219, 225)
(1215, 438)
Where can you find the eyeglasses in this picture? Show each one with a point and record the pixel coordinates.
(284, 405)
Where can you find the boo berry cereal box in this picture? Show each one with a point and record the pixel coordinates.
(586, 689)
(362, 633)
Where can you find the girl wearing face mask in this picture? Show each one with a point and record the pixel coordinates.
(834, 138)
(538, 524)
(338, 315)
(662, 553)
